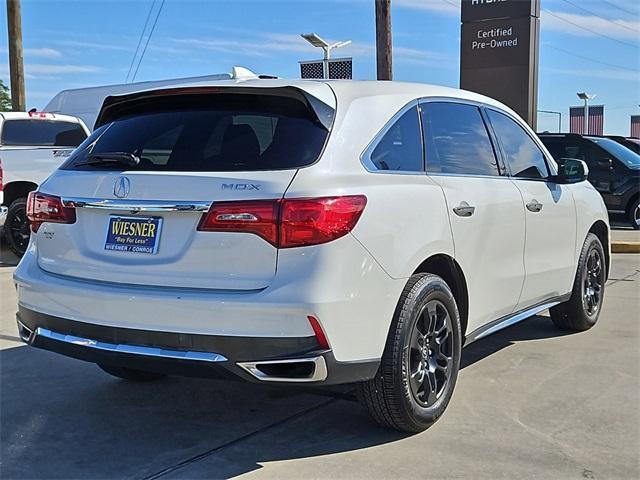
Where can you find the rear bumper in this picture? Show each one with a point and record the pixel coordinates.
(339, 284)
(293, 360)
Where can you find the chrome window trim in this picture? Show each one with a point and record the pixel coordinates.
(136, 205)
(365, 157)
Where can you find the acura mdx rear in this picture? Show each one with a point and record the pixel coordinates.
(167, 244)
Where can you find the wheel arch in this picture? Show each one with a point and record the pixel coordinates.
(601, 230)
(18, 189)
(446, 267)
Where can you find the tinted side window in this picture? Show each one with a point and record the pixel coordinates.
(561, 148)
(42, 133)
(524, 157)
(456, 140)
(400, 148)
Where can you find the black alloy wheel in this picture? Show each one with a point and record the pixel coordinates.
(430, 353)
(421, 358)
(592, 282)
(634, 214)
(583, 308)
(16, 227)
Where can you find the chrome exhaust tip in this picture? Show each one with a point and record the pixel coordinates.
(299, 370)
(26, 334)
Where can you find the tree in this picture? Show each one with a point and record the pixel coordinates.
(5, 98)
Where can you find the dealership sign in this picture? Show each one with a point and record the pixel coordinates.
(499, 52)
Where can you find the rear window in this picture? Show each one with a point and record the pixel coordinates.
(42, 133)
(208, 132)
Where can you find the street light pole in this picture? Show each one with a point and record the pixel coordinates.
(555, 113)
(586, 97)
(315, 40)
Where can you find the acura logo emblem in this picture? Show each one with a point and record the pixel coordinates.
(122, 187)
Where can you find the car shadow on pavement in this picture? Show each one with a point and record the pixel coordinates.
(535, 328)
(62, 418)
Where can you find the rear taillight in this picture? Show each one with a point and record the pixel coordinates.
(259, 217)
(311, 221)
(43, 208)
(290, 222)
(1, 177)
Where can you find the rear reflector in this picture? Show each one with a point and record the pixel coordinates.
(319, 333)
(289, 222)
(43, 208)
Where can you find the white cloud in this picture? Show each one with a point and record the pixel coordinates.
(42, 52)
(50, 69)
(606, 74)
(95, 45)
(38, 52)
(267, 44)
(568, 23)
(450, 7)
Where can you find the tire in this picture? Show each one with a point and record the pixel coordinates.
(633, 213)
(131, 374)
(582, 310)
(393, 397)
(16, 227)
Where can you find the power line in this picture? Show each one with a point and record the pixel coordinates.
(588, 29)
(592, 59)
(153, 27)
(611, 4)
(601, 18)
(144, 29)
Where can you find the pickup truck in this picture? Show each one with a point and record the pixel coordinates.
(32, 145)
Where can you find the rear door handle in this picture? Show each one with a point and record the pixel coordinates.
(464, 210)
(534, 206)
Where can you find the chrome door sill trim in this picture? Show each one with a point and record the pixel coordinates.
(137, 205)
(128, 349)
(319, 372)
(505, 322)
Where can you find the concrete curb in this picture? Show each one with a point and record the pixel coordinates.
(625, 247)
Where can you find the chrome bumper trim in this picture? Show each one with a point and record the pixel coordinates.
(136, 205)
(319, 372)
(128, 349)
(3, 215)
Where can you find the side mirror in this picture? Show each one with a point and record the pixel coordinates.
(604, 164)
(571, 170)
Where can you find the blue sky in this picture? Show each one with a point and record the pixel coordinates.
(70, 44)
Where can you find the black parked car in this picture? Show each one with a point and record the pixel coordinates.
(613, 169)
(629, 142)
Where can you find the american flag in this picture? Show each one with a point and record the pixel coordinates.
(635, 126)
(596, 119)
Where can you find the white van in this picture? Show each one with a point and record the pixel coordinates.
(85, 103)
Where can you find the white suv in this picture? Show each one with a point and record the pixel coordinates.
(308, 232)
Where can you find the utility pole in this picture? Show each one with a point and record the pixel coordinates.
(16, 67)
(383, 39)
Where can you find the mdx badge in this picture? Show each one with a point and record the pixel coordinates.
(240, 186)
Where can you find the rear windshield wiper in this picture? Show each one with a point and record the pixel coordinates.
(124, 158)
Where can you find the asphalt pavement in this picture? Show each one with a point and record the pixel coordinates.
(531, 402)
